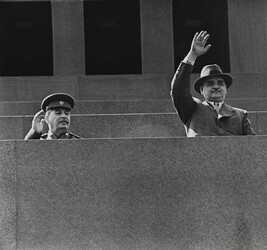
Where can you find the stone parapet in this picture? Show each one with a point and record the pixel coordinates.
(164, 193)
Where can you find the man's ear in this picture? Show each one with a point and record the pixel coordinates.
(201, 89)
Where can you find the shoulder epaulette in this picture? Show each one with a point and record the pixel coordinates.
(75, 136)
(44, 136)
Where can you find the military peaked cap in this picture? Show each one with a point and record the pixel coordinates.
(58, 100)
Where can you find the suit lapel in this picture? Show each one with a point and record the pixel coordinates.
(226, 110)
(214, 113)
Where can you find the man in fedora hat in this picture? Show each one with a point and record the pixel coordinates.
(212, 117)
(55, 111)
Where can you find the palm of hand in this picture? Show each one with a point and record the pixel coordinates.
(199, 42)
(198, 47)
(38, 125)
(38, 122)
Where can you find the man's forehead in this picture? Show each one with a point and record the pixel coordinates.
(60, 109)
(215, 78)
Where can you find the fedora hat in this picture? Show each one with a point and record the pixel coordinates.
(210, 71)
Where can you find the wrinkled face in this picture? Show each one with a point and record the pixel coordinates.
(214, 89)
(58, 119)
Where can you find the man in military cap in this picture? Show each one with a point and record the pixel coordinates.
(212, 117)
(55, 111)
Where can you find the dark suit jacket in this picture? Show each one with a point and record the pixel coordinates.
(199, 118)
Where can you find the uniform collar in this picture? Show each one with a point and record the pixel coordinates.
(52, 136)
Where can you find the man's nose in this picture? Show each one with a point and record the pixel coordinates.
(216, 85)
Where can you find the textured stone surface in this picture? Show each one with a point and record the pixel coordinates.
(124, 106)
(204, 193)
(244, 36)
(8, 193)
(250, 104)
(9, 88)
(116, 87)
(245, 85)
(118, 125)
(157, 37)
(68, 38)
(35, 88)
(263, 85)
(124, 87)
(262, 123)
(12, 127)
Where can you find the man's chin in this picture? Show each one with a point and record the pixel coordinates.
(63, 126)
(216, 98)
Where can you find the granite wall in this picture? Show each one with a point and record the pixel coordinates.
(165, 193)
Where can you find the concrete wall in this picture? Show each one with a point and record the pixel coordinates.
(204, 193)
(247, 34)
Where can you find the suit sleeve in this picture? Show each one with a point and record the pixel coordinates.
(180, 92)
(247, 129)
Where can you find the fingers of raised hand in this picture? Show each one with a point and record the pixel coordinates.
(38, 117)
(201, 37)
(39, 114)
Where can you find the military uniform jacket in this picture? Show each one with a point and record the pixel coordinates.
(51, 136)
(199, 118)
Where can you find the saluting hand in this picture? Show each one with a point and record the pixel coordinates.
(38, 121)
(199, 42)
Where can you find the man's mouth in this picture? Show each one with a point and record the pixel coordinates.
(63, 122)
(216, 91)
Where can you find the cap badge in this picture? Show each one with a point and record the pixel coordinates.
(61, 103)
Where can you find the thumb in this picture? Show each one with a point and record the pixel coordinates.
(207, 47)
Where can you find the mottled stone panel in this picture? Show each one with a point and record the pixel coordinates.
(68, 38)
(157, 37)
(124, 87)
(180, 193)
(12, 127)
(8, 194)
(15, 89)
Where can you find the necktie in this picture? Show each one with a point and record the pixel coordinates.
(217, 107)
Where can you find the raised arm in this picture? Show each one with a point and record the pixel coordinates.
(180, 86)
(37, 126)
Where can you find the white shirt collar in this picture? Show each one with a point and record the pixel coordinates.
(214, 103)
(217, 106)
